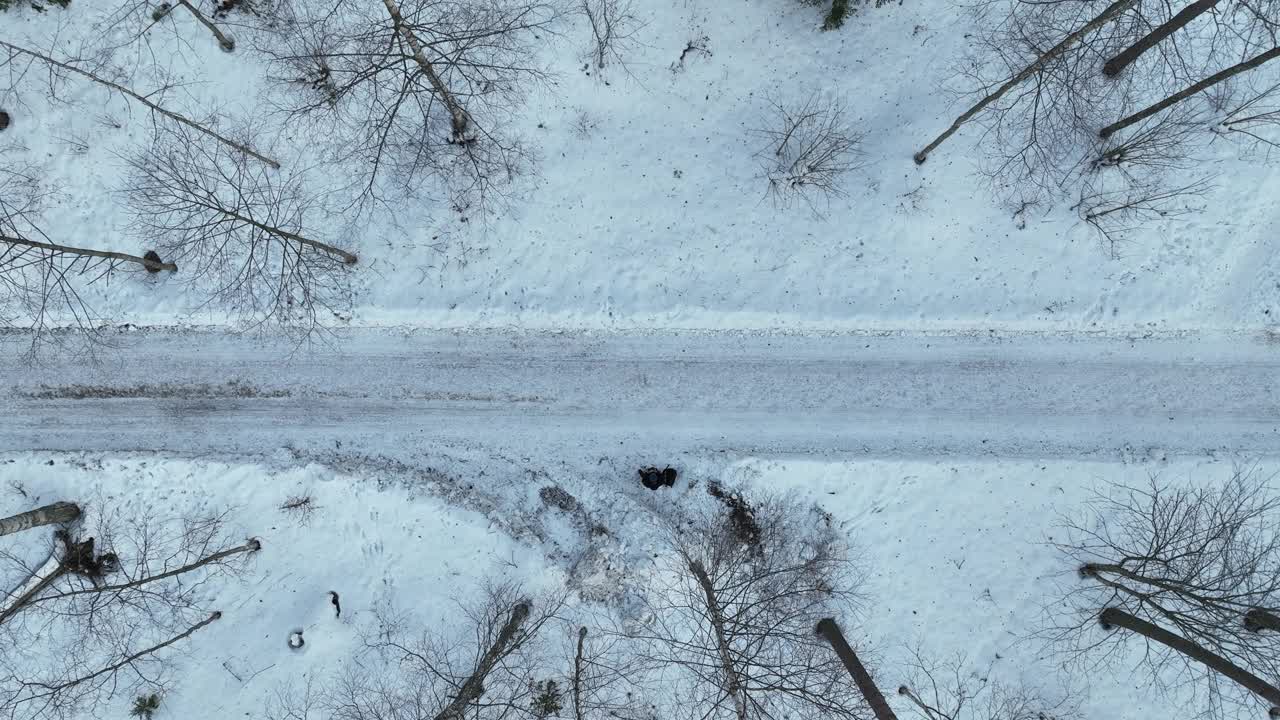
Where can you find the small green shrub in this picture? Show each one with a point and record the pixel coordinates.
(546, 699)
(836, 15)
(144, 706)
(840, 10)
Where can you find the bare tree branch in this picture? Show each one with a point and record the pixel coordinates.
(181, 119)
(1117, 64)
(1114, 617)
(240, 231)
(224, 42)
(102, 617)
(416, 94)
(1110, 13)
(1195, 559)
(747, 648)
(485, 671)
(1190, 90)
(830, 632)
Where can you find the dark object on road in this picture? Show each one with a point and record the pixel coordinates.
(653, 478)
(4, 120)
(337, 606)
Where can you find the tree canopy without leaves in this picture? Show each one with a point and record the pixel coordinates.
(949, 690)
(43, 282)
(734, 625)
(1059, 84)
(482, 668)
(99, 620)
(1193, 559)
(245, 236)
(416, 93)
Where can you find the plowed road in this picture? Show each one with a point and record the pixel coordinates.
(964, 395)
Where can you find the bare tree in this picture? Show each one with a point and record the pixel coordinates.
(243, 234)
(600, 680)
(1190, 90)
(1113, 618)
(810, 148)
(1050, 97)
(224, 42)
(1038, 128)
(1195, 559)
(41, 281)
(16, 53)
(613, 29)
(830, 631)
(945, 691)
(734, 626)
(1114, 213)
(1148, 152)
(1117, 64)
(1051, 79)
(98, 620)
(164, 10)
(56, 513)
(486, 671)
(458, 118)
(1255, 117)
(1036, 66)
(416, 91)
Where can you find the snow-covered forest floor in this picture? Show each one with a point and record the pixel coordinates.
(645, 202)
(360, 440)
(954, 556)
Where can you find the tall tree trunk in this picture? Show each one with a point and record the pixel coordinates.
(1257, 620)
(59, 512)
(151, 265)
(1114, 617)
(457, 114)
(142, 99)
(732, 685)
(830, 631)
(226, 43)
(474, 685)
(577, 674)
(1117, 64)
(1105, 17)
(1181, 95)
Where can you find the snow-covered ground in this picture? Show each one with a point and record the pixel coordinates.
(647, 207)
(940, 373)
(953, 553)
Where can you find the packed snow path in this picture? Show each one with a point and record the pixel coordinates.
(597, 394)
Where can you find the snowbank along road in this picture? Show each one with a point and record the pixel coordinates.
(963, 395)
